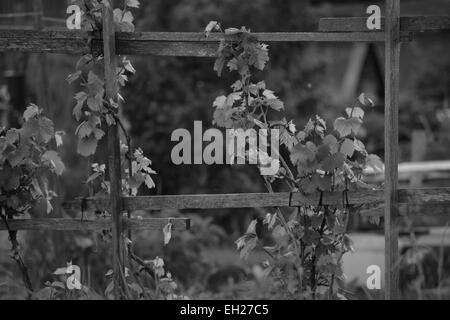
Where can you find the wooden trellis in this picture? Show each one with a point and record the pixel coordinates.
(396, 30)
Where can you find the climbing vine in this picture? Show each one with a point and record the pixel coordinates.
(95, 114)
(309, 242)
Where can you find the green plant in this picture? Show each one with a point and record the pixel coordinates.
(310, 242)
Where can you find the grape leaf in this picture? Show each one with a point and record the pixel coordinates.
(58, 138)
(302, 153)
(84, 61)
(55, 161)
(132, 3)
(346, 127)
(87, 146)
(322, 152)
(212, 25)
(73, 76)
(323, 183)
(259, 56)
(365, 101)
(80, 97)
(167, 230)
(332, 143)
(355, 112)
(334, 161)
(347, 147)
(275, 104)
(374, 162)
(251, 229)
(219, 102)
(359, 146)
(31, 112)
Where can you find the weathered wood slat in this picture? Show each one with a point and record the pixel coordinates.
(156, 43)
(249, 200)
(94, 225)
(208, 201)
(391, 207)
(261, 36)
(407, 24)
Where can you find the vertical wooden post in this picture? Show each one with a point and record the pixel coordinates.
(43, 100)
(109, 51)
(392, 69)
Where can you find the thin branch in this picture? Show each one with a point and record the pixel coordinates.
(16, 254)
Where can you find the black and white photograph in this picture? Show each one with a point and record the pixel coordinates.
(224, 159)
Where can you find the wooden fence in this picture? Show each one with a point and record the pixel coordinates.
(386, 202)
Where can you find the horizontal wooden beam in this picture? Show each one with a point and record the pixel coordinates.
(94, 225)
(68, 42)
(407, 24)
(189, 44)
(249, 200)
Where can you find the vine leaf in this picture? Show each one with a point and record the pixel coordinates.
(348, 147)
(87, 146)
(365, 101)
(132, 3)
(302, 153)
(212, 25)
(356, 112)
(31, 111)
(55, 161)
(334, 161)
(346, 127)
(167, 230)
(373, 161)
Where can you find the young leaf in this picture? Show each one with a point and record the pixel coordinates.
(31, 112)
(212, 25)
(374, 162)
(365, 101)
(332, 143)
(334, 161)
(53, 158)
(347, 147)
(132, 3)
(87, 146)
(58, 138)
(346, 127)
(356, 112)
(220, 102)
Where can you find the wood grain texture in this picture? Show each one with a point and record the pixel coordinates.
(407, 24)
(391, 207)
(95, 225)
(248, 200)
(68, 42)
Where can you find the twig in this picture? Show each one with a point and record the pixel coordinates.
(16, 254)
